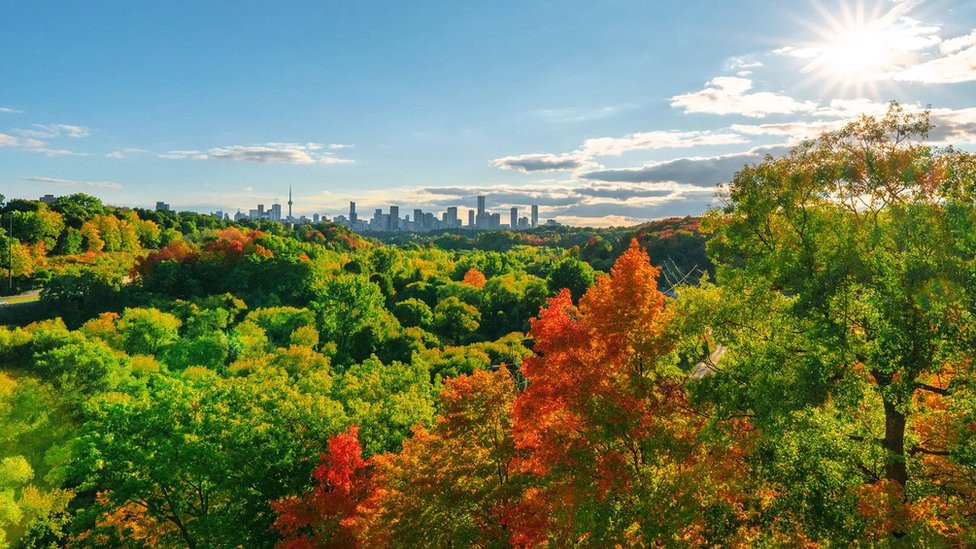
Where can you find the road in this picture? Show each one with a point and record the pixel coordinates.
(26, 297)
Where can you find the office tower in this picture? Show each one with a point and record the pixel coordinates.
(494, 221)
(418, 219)
(481, 206)
(315, 218)
(289, 204)
(352, 213)
(276, 212)
(452, 219)
(162, 206)
(535, 215)
(513, 224)
(394, 218)
(260, 210)
(470, 219)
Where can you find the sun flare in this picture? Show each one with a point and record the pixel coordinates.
(858, 53)
(857, 45)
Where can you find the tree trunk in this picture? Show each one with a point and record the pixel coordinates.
(896, 469)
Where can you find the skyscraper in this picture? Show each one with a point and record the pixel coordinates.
(470, 219)
(513, 224)
(451, 220)
(535, 215)
(481, 206)
(352, 213)
(394, 218)
(276, 212)
(418, 219)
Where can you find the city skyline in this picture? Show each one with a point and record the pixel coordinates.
(479, 218)
(598, 124)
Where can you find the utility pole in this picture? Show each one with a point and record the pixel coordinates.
(10, 254)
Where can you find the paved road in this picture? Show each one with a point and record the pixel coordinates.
(706, 367)
(25, 297)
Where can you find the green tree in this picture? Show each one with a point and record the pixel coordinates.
(147, 331)
(414, 312)
(199, 457)
(572, 274)
(455, 320)
(387, 401)
(861, 243)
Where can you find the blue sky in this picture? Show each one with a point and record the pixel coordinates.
(603, 112)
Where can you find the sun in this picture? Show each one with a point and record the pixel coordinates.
(857, 45)
(861, 53)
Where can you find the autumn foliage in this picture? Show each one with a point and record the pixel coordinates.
(323, 517)
(601, 448)
(474, 278)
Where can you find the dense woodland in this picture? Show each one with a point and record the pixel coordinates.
(793, 369)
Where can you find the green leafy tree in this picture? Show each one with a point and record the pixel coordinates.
(147, 331)
(199, 458)
(860, 244)
(572, 274)
(414, 312)
(387, 400)
(456, 320)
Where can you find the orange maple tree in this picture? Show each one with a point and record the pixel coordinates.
(605, 431)
(474, 278)
(323, 516)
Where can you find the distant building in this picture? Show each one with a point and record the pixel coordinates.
(239, 216)
(470, 219)
(315, 218)
(162, 206)
(276, 212)
(452, 218)
(48, 199)
(352, 214)
(535, 215)
(513, 223)
(394, 218)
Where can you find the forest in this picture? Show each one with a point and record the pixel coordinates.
(792, 369)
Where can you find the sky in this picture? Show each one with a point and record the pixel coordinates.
(603, 112)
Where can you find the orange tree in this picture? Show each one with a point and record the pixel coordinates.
(612, 451)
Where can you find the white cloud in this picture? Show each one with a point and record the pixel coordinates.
(573, 115)
(284, 153)
(955, 67)
(729, 95)
(10, 110)
(124, 153)
(51, 131)
(960, 42)
(34, 145)
(74, 182)
(615, 146)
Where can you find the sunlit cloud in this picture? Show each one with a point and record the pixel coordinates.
(731, 95)
(267, 153)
